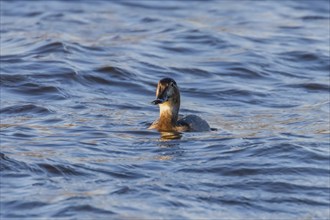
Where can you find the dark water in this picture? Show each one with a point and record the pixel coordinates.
(77, 79)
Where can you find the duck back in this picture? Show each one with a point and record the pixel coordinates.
(194, 123)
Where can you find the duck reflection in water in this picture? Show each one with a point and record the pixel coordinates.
(170, 135)
(169, 123)
(169, 146)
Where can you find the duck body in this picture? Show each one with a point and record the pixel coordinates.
(187, 123)
(168, 99)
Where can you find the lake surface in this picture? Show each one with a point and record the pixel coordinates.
(77, 79)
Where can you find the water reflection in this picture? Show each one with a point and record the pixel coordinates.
(169, 146)
(170, 135)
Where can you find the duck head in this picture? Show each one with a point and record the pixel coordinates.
(168, 100)
(167, 91)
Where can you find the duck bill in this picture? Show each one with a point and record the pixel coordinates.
(160, 99)
(157, 101)
(161, 95)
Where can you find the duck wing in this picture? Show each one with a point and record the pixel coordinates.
(194, 123)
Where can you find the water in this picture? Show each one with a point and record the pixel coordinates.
(77, 79)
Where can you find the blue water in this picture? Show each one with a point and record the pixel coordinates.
(77, 79)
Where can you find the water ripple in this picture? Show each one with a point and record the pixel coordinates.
(77, 79)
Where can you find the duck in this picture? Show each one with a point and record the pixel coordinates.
(168, 100)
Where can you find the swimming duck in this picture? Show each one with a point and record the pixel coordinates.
(168, 100)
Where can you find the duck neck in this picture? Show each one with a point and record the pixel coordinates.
(168, 115)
